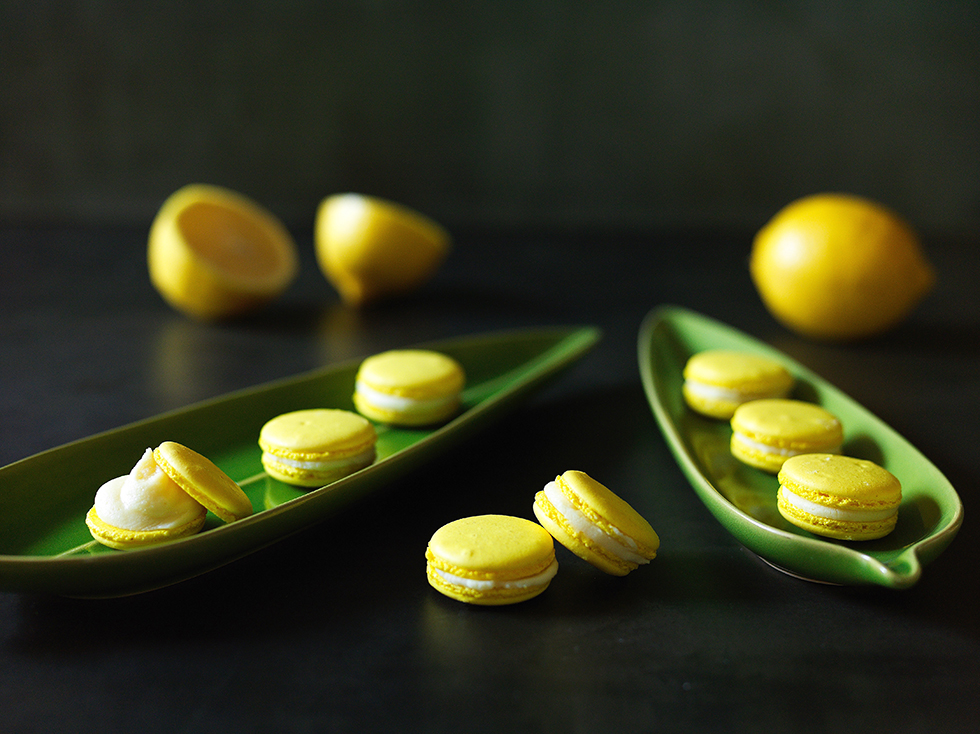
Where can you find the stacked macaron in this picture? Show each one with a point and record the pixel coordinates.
(311, 448)
(765, 433)
(818, 489)
(409, 387)
(839, 496)
(717, 381)
(491, 560)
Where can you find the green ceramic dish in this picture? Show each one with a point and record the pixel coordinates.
(46, 547)
(744, 499)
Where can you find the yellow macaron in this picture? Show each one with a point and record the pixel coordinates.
(717, 381)
(311, 448)
(839, 496)
(166, 496)
(491, 560)
(409, 387)
(765, 433)
(594, 523)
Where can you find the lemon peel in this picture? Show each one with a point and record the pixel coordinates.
(371, 249)
(214, 253)
(839, 267)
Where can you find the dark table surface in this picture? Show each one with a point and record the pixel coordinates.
(336, 629)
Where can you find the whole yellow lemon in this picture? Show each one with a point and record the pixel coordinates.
(839, 267)
(371, 249)
(213, 253)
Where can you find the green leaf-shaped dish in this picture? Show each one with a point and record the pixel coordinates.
(45, 545)
(743, 499)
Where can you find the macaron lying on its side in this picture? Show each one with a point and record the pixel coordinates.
(409, 387)
(491, 560)
(310, 448)
(765, 433)
(839, 496)
(166, 496)
(717, 381)
(595, 524)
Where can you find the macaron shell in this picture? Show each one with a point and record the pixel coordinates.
(301, 477)
(850, 481)
(317, 434)
(755, 457)
(738, 371)
(482, 597)
(122, 539)
(413, 418)
(830, 528)
(790, 424)
(499, 547)
(412, 373)
(201, 479)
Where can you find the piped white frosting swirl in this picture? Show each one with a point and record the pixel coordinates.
(145, 499)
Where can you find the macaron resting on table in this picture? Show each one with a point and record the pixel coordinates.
(491, 560)
(839, 496)
(767, 432)
(717, 381)
(409, 387)
(596, 524)
(313, 447)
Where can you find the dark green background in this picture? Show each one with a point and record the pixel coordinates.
(682, 113)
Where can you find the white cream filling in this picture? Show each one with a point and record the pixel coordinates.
(145, 499)
(620, 545)
(776, 451)
(400, 404)
(362, 459)
(538, 579)
(836, 513)
(713, 392)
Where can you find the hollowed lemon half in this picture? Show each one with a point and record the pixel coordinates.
(214, 253)
(371, 249)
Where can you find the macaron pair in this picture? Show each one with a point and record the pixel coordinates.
(839, 496)
(595, 524)
(498, 559)
(765, 433)
(717, 381)
(166, 496)
(409, 387)
(311, 448)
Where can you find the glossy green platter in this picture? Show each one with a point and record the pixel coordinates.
(45, 545)
(743, 499)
